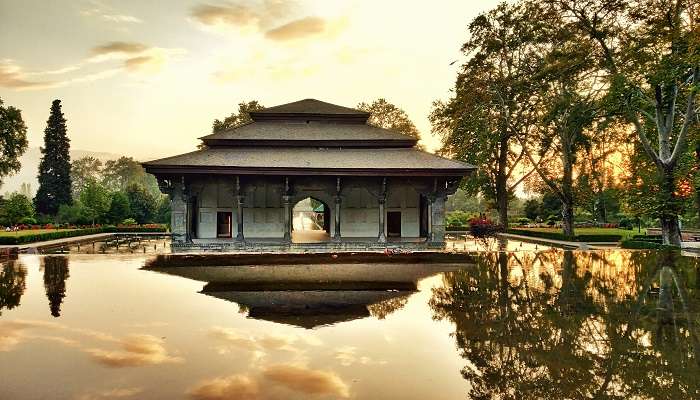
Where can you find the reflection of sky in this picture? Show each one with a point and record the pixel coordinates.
(129, 333)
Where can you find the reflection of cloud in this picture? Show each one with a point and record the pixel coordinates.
(300, 28)
(116, 393)
(247, 342)
(305, 380)
(137, 350)
(234, 387)
(308, 382)
(348, 356)
(15, 332)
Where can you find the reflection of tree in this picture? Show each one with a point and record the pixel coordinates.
(382, 309)
(13, 276)
(55, 275)
(573, 325)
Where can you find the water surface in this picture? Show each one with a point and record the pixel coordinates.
(523, 324)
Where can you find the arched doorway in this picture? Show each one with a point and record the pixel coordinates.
(311, 221)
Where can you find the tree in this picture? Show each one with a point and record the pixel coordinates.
(54, 168)
(386, 115)
(82, 171)
(17, 209)
(141, 203)
(119, 208)
(650, 52)
(96, 200)
(491, 106)
(13, 139)
(237, 119)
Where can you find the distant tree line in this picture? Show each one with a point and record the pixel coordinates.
(83, 192)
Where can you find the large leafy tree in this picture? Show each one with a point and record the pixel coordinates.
(650, 50)
(17, 209)
(54, 168)
(95, 200)
(82, 171)
(491, 106)
(239, 118)
(13, 139)
(141, 203)
(386, 115)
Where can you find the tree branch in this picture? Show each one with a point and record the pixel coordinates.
(689, 116)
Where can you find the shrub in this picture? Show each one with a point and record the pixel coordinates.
(129, 221)
(646, 245)
(523, 221)
(483, 227)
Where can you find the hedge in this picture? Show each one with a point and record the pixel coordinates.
(457, 228)
(646, 245)
(561, 236)
(39, 237)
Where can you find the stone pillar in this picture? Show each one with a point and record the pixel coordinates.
(286, 200)
(437, 220)
(381, 238)
(178, 216)
(336, 214)
(239, 210)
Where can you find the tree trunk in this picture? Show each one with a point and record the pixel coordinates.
(567, 201)
(670, 231)
(567, 213)
(502, 184)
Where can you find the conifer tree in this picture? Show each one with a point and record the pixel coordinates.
(54, 168)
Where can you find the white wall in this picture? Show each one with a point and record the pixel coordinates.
(214, 196)
(406, 200)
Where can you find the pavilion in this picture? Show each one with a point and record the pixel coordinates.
(371, 187)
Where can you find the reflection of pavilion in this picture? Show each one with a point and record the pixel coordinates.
(310, 296)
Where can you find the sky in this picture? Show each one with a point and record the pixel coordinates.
(147, 78)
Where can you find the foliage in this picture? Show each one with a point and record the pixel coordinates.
(54, 168)
(125, 171)
(73, 214)
(68, 233)
(16, 209)
(95, 200)
(82, 171)
(13, 139)
(141, 203)
(457, 218)
(491, 106)
(235, 120)
(119, 208)
(129, 222)
(386, 115)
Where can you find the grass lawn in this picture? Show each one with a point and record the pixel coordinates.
(32, 232)
(591, 231)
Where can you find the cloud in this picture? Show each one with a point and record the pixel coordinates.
(234, 387)
(236, 15)
(118, 48)
(298, 29)
(307, 381)
(137, 350)
(108, 13)
(12, 76)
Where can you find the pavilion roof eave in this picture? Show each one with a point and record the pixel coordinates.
(215, 170)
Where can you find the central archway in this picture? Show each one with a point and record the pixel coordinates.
(311, 221)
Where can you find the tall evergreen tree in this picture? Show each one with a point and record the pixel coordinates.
(54, 169)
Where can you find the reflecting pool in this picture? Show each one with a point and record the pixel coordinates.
(509, 325)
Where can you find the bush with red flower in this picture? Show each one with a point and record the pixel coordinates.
(482, 227)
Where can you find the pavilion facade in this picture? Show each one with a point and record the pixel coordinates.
(371, 186)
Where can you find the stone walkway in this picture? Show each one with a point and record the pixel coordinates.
(36, 246)
(561, 243)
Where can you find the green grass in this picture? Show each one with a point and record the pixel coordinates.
(591, 231)
(31, 232)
